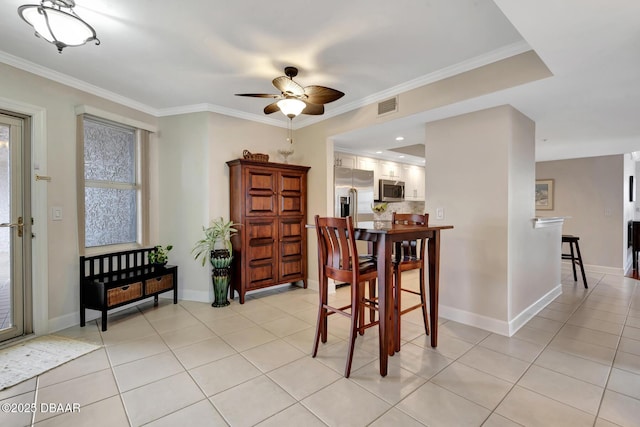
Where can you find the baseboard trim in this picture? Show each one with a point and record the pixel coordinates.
(521, 319)
(490, 324)
(73, 319)
(497, 326)
(590, 268)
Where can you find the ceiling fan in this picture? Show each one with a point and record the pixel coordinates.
(295, 99)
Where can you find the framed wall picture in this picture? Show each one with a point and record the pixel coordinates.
(544, 194)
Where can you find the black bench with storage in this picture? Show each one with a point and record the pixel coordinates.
(112, 280)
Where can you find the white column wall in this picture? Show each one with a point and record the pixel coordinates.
(495, 267)
(534, 254)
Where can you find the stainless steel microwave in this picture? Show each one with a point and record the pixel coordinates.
(391, 190)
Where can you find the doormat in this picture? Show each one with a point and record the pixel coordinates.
(36, 356)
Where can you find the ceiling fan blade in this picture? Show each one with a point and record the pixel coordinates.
(259, 95)
(313, 109)
(287, 86)
(271, 108)
(321, 94)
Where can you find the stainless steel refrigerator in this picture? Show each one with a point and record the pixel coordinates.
(353, 193)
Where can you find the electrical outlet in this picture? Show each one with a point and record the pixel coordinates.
(439, 213)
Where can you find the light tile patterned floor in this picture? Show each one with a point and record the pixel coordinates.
(575, 364)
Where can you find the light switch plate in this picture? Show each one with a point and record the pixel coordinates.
(439, 213)
(56, 213)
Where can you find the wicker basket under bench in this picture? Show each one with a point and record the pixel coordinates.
(112, 280)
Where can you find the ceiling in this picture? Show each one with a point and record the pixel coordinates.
(174, 57)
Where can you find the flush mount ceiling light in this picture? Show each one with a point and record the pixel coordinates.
(56, 22)
(291, 107)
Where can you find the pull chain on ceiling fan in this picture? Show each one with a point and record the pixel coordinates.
(295, 99)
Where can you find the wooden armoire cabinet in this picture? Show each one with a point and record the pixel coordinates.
(269, 202)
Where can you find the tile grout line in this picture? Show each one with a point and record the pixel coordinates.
(536, 358)
(478, 344)
(493, 411)
(635, 291)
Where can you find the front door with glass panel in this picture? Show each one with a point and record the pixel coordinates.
(12, 228)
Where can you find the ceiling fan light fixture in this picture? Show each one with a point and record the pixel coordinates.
(291, 107)
(57, 26)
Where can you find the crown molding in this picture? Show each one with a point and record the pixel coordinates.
(459, 68)
(212, 108)
(66, 80)
(470, 64)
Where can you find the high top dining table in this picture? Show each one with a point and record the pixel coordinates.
(383, 235)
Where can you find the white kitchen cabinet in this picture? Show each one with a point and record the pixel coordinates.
(345, 160)
(390, 170)
(413, 177)
(369, 164)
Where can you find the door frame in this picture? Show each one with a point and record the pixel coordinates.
(39, 200)
(19, 247)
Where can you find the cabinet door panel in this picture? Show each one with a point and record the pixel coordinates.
(261, 229)
(261, 180)
(260, 192)
(261, 235)
(261, 249)
(292, 243)
(344, 160)
(291, 268)
(290, 248)
(260, 204)
(291, 228)
(291, 182)
(261, 274)
(290, 204)
(290, 192)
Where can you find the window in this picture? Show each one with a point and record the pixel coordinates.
(114, 212)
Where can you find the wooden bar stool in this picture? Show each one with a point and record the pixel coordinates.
(575, 257)
(338, 259)
(409, 255)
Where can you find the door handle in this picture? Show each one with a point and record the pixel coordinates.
(19, 225)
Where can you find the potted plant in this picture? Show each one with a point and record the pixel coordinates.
(216, 244)
(216, 236)
(379, 208)
(160, 255)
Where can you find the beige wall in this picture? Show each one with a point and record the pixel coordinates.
(534, 254)
(58, 102)
(188, 160)
(480, 170)
(315, 141)
(194, 182)
(592, 192)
